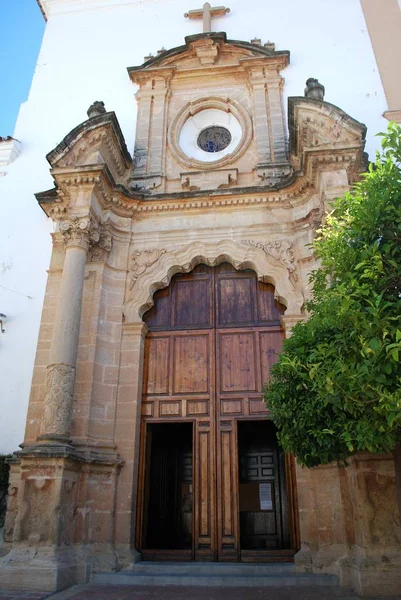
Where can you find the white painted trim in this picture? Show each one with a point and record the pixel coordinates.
(9, 151)
(58, 7)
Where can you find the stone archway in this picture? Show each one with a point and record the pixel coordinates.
(152, 273)
(273, 263)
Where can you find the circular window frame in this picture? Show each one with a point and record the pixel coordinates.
(193, 108)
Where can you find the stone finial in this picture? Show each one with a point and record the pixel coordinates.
(270, 46)
(148, 57)
(162, 49)
(256, 41)
(96, 109)
(314, 89)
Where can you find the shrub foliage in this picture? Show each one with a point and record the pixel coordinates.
(336, 388)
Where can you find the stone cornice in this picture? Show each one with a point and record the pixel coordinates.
(126, 203)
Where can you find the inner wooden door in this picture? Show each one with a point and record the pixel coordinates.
(262, 493)
(168, 516)
(213, 335)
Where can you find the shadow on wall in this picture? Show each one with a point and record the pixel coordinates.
(4, 475)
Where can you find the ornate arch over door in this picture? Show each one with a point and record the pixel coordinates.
(208, 452)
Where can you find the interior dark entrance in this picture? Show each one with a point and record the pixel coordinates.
(168, 518)
(262, 488)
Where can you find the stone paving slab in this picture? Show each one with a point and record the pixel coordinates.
(15, 595)
(124, 592)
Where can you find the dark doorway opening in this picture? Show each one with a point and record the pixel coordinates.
(262, 493)
(168, 498)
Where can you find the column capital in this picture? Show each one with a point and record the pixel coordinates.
(135, 329)
(289, 321)
(79, 232)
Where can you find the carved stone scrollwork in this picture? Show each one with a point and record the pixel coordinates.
(80, 232)
(57, 403)
(281, 250)
(142, 260)
(98, 252)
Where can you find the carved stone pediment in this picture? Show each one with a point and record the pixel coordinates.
(211, 50)
(98, 140)
(322, 135)
(318, 125)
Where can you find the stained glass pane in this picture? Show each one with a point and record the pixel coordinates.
(214, 139)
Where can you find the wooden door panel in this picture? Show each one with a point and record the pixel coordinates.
(235, 301)
(191, 303)
(191, 358)
(237, 356)
(270, 344)
(268, 308)
(156, 380)
(204, 492)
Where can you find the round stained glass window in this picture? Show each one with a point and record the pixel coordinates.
(214, 139)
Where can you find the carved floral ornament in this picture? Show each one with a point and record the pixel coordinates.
(281, 250)
(140, 261)
(153, 269)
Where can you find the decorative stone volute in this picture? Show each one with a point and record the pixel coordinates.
(314, 89)
(96, 109)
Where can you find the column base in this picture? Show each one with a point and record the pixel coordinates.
(372, 576)
(43, 569)
(326, 559)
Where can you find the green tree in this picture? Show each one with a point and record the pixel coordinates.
(336, 388)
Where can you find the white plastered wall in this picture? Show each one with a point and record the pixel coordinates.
(86, 48)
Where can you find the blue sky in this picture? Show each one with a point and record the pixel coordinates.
(21, 31)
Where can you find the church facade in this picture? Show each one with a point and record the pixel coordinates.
(176, 272)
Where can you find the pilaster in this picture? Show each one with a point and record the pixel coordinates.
(149, 170)
(127, 435)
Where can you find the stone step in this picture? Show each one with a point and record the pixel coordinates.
(212, 568)
(215, 575)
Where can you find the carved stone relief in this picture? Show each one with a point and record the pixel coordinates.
(98, 252)
(142, 260)
(57, 403)
(281, 250)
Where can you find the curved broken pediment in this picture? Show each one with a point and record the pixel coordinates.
(98, 140)
(321, 133)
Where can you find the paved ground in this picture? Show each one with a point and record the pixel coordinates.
(11, 595)
(124, 592)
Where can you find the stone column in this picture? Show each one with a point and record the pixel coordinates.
(60, 376)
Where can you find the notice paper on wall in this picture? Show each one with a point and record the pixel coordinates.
(265, 496)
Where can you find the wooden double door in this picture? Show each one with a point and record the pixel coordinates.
(213, 484)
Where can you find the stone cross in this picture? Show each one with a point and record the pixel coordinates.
(206, 13)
